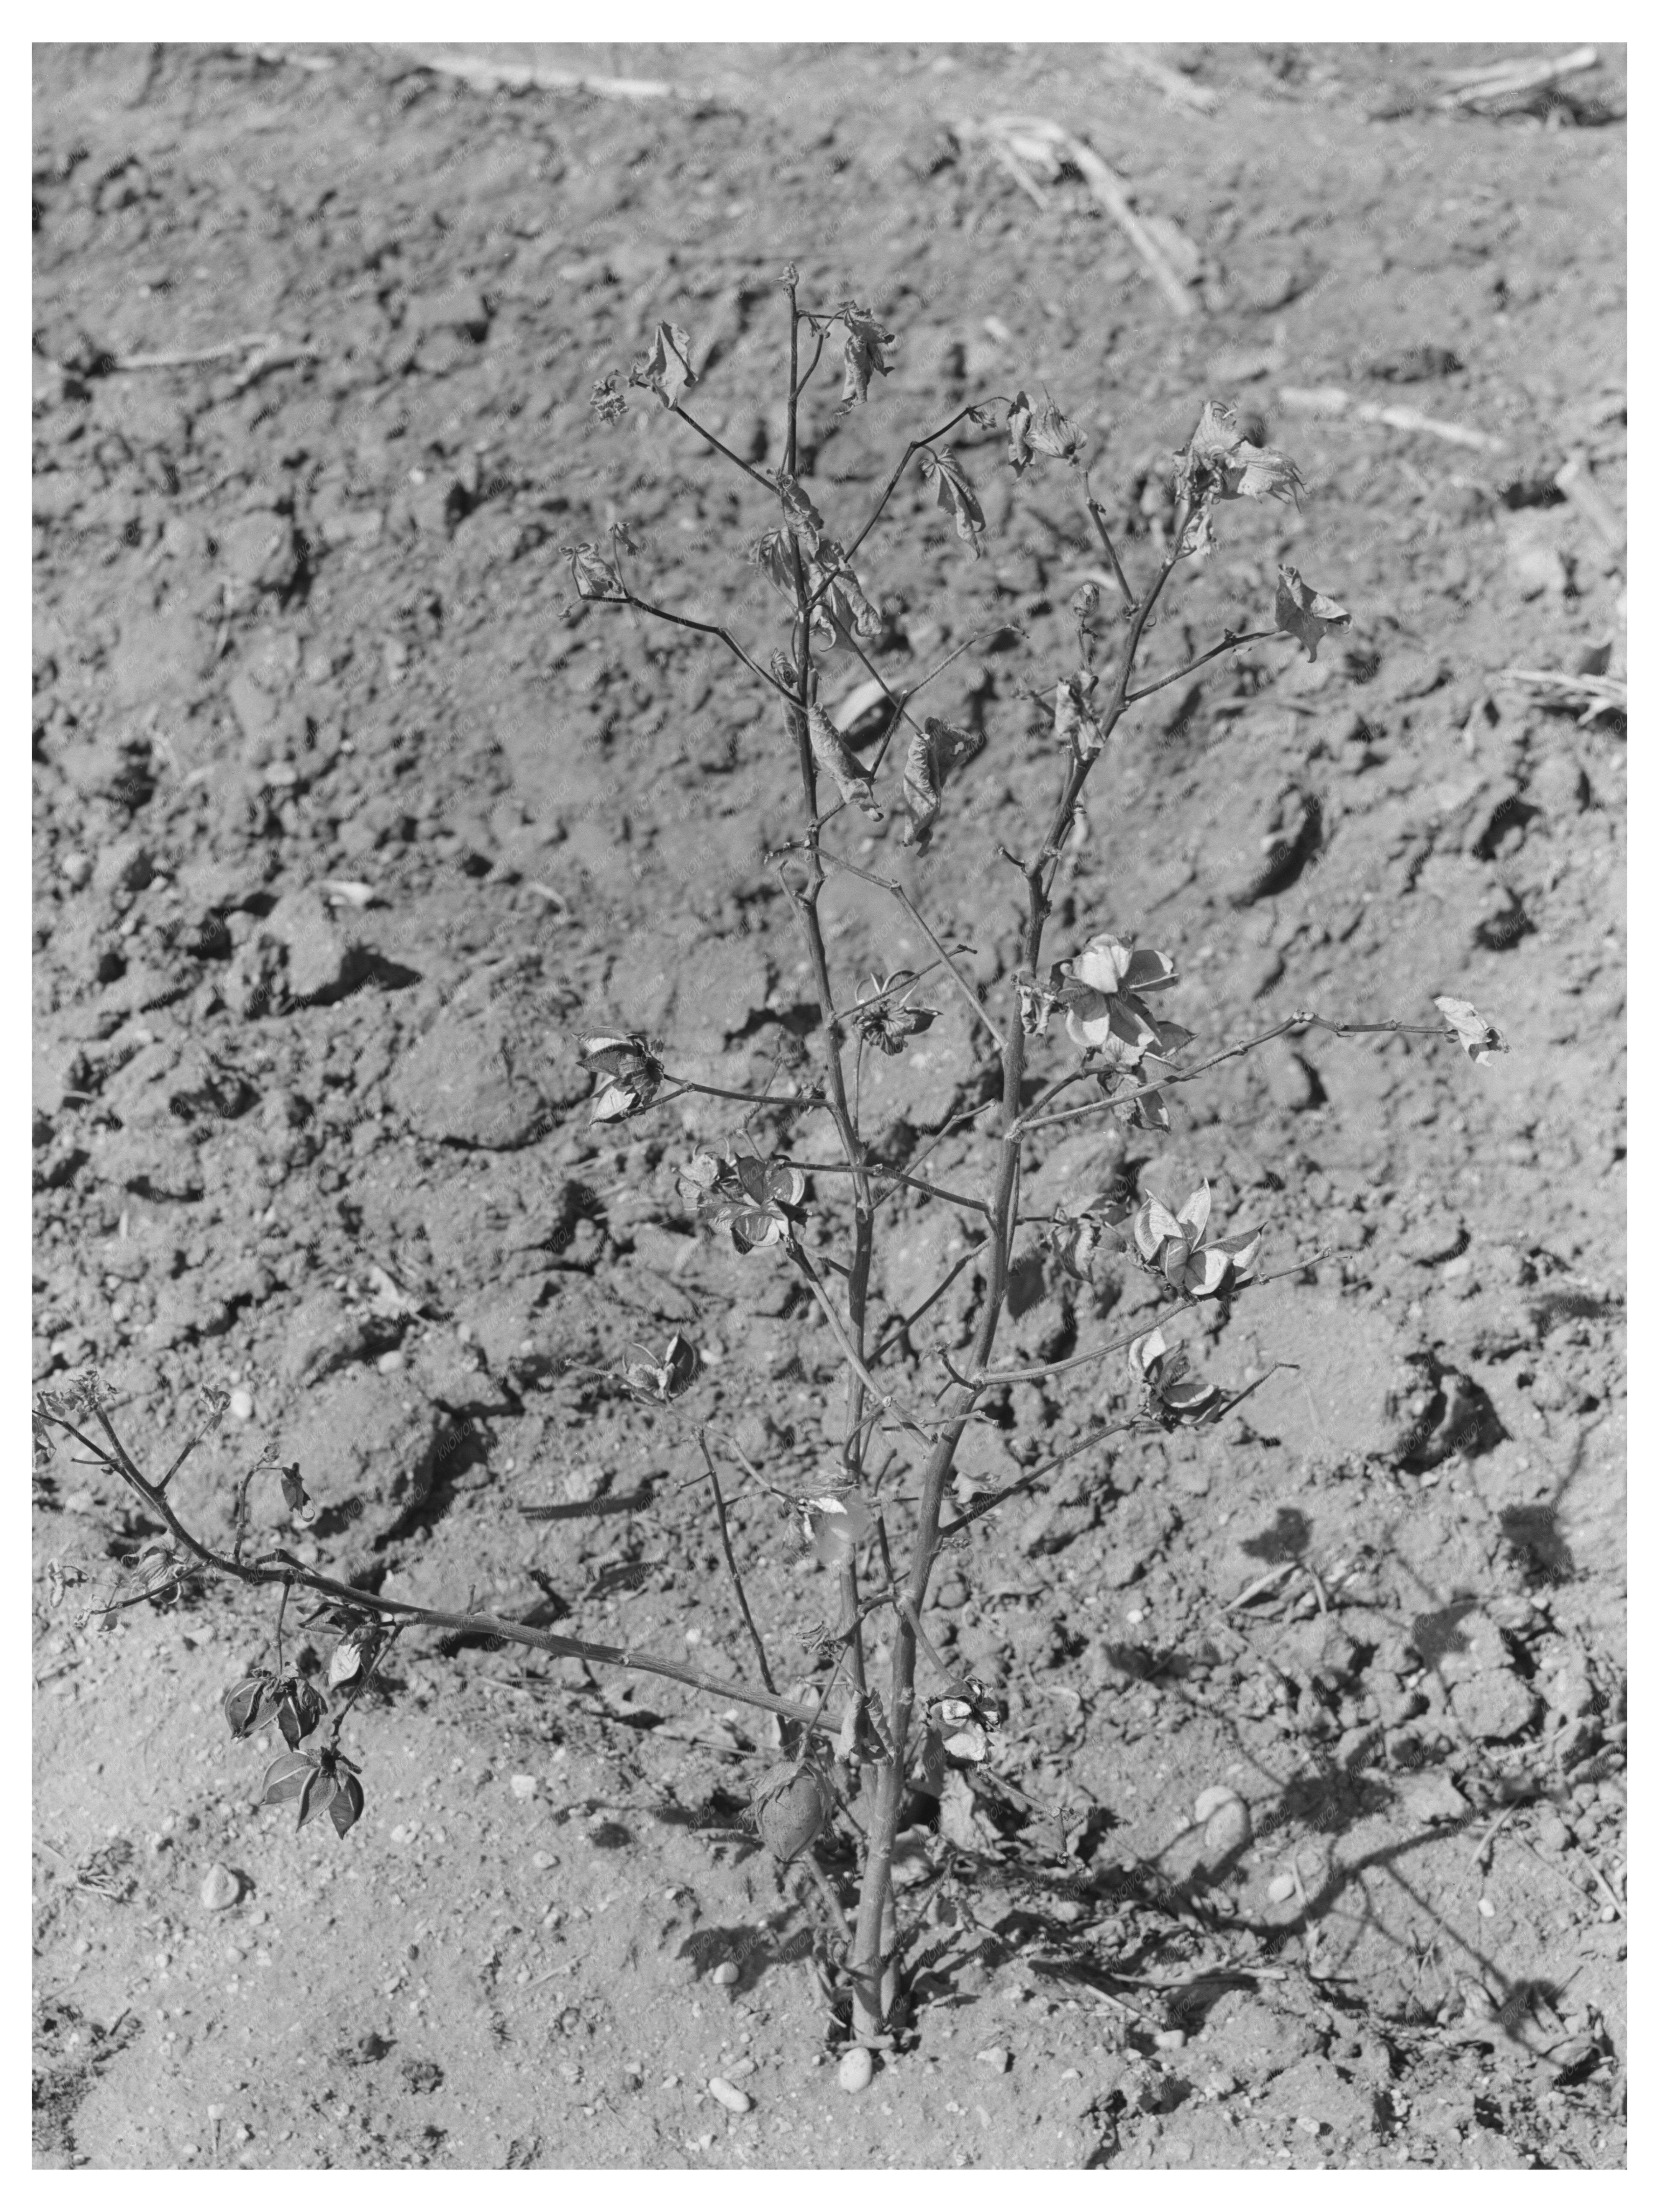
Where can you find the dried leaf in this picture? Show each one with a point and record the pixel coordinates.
(596, 576)
(867, 352)
(829, 750)
(803, 518)
(1074, 726)
(957, 495)
(1056, 435)
(1020, 447)
(1304, 613)
(666, 369)
(1477, 1036)
(933, 752)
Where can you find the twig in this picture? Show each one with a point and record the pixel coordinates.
(877, 1174)
(1301, 1019)
(991, 1378)
(278, 1567)
(883, 1399)
(708, 437)
(486, 75)
(258, 342)
(1107, 189)
(708, 629)
(1017, 169)
(1181, 91)
(1574, 478)
(905, 1322)
(1227, 645)
(732, 1565)
(887, 883)
(1473, 87)
(1331, 400)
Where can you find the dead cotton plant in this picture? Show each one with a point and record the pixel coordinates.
(1082, 1029)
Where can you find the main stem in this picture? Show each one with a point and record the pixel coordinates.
(872, 1973)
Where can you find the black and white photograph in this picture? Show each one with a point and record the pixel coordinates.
(828, 1111)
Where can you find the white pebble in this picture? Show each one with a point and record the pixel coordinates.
(1488, 1909)
(522, 1786)
(1172, 2039)
(241, 1405)
(724, 1975)
(727, 2093)
(855, 2069)
(996, 2060)
(74, 868)
(220, 1887)
(1282, 1886)
(390, 1363)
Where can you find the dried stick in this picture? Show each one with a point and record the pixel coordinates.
(732, 1565)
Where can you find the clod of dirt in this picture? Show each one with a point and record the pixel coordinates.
(465, 1084)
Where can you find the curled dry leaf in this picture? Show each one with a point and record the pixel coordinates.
(632, 1075)
(830, 751)
(666, 368)
(884, 1016)
(596, 576)
(935, 751)
(867, 351)
(803, 518)
(1020, 446)
(660, 1381)
(1167, 1395)
(1479, 1037)
(1056, 435)
(957, 495)
(1304, 613)
(1074, 726)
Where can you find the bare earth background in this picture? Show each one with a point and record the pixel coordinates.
(301, 623)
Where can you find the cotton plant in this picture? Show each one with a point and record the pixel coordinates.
(1077, 1031)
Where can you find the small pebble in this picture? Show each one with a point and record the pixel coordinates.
(74, 868)
(1609, 1912)
(724, 1975)
(1171, 2039)
(1488, 1909)
(241, 1405)
(220, 1888)
(727, 2093)
(523, 1787)
(1282, 1886)
(390, 1363)
(996, 2060)
(855, 2069)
